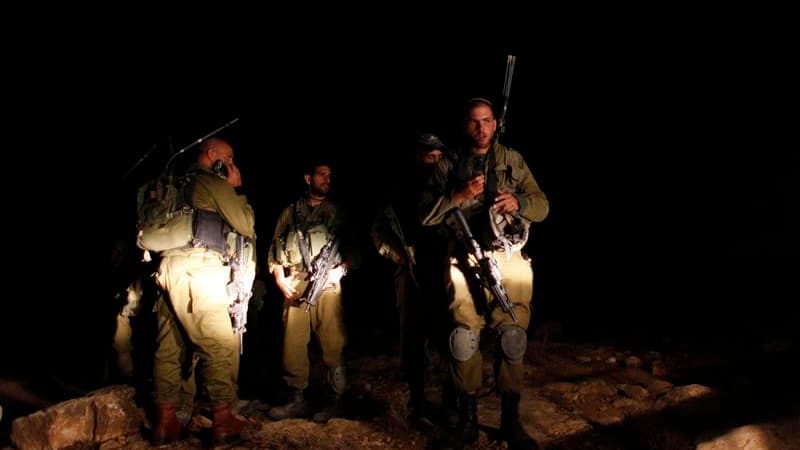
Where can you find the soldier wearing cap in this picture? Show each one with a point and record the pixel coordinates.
(488, 181)
(419, 254)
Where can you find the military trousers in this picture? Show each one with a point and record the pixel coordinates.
(422, 311)
(518, 282)
(194, 317)
(325, 320)
(123, 346)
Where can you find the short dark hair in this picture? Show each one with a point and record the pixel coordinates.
(312, 163)
(474, 102)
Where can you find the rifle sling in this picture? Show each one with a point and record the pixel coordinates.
(300, 227)
(491, 176)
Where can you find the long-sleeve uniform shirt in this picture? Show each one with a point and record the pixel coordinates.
(505, 171)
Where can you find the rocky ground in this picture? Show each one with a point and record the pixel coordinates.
(577, 396)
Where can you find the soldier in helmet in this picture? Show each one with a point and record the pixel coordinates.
(495, 190)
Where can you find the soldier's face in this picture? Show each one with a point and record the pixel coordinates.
(430, 158)
(481, 125)
(320, 181)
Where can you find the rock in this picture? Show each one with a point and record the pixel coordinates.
(596, 387)
(659, 369)
(634, 391)
(692, 399)
(782, 434)
(633, 362)
(101, 416)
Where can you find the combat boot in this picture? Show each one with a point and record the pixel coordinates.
(168, 428)
(418, 413)
(510, 427)
(227, 427)
(333, 408)
(295, 407)
(466, 432)
(336, 384)
(449, 409)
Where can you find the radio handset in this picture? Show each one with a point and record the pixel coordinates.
(220, 169)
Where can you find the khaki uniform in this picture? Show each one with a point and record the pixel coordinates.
(324, 319)
(506, 172)
(196, 313)
(123, 332)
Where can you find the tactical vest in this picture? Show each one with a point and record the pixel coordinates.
(312, 235)
(507, 232)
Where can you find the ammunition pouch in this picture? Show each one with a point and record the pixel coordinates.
(316, 236)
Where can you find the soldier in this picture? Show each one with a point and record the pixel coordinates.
(419, 254)
(496, 192)
(197, 279)
(303, 229)
(125, 293)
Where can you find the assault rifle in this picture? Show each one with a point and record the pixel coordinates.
(238, 309)
(489, 276)
(408, 251)
(319, 271)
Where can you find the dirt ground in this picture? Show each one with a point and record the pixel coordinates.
(576, 396)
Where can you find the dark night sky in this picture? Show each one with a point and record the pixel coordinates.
(665, 155)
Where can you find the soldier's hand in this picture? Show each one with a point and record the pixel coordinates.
(506, 203)
(234, 176)
(335, 275)
(473, 188)
(475, 185)
(286, 288)
(284, 284)
(397, 257)
(472, 260)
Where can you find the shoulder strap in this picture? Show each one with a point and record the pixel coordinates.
(491, 177)
(300, 227)
(185, 185)
(463, 171)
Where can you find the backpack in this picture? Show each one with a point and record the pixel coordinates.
(165, 217)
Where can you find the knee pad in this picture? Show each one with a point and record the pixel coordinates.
(463, 343)
(337, 379)
(513, 342)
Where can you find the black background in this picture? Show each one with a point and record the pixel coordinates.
(665, 151)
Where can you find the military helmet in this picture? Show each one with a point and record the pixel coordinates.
(510, 231)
